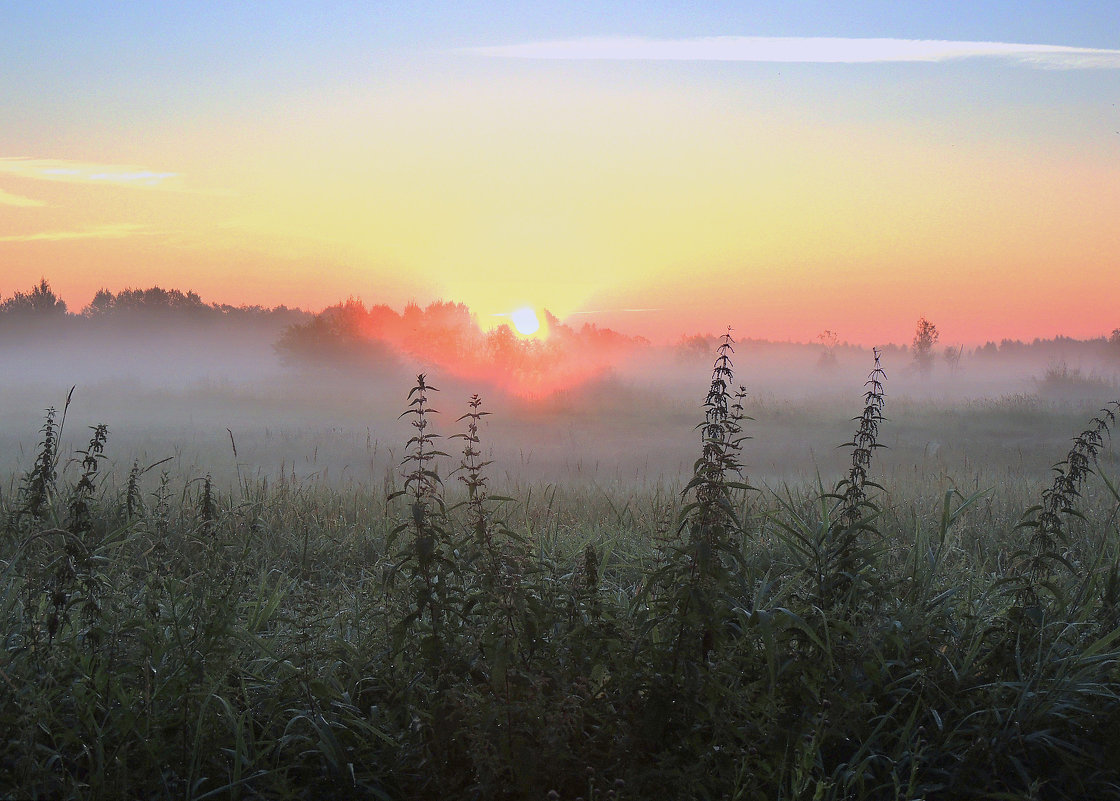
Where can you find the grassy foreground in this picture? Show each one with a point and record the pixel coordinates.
(163, 639)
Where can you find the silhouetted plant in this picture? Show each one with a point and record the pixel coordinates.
(588, 590)
(80, 522)
(67, 575)
(852, 490)
(695, 577)
(424, 555)
(132, 506)
(1046, 520)
(206, 505)
(493, 554)
(843, 559)
(133, 502)
(712, 514)
(79, 549)
(39, 484)
(472, 474)
(828, 536)
(161, 512)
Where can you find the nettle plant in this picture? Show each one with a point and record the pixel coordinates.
(425, 555)
(472, 474)
(39, 485)
(692, 586)
(846, 560)
(831, 544)
(492, 553)
(1045, 556)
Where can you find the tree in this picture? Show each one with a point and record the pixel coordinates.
(953, 357)
(102, 303)
(925, 337)
(41, 300)
(829, 339)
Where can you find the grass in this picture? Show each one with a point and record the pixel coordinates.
(445, 636)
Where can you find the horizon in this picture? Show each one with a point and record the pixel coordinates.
(569, 399)
(543, 320)
(659, 171)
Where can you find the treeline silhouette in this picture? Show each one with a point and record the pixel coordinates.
(41, 303)
(1054, 349)
(350, 332)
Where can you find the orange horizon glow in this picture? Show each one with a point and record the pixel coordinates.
(653, 200)
(1011, 260)
(449, 336)
(776, 320)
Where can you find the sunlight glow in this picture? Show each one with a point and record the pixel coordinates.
(663, 152)
(525, 321)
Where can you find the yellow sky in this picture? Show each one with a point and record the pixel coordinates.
(700, 198)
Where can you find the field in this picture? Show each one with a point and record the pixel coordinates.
(559, 401)
(291, 593)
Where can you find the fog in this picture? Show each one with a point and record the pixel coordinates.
(193, 392)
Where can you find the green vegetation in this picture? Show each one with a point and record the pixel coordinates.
(168, 639)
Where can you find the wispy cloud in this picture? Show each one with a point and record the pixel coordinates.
(112, 231)
(84, 172)
(813, 50)
(8, 199)
(612, 311)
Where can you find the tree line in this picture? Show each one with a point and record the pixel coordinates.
(340, 327)
(41, 302)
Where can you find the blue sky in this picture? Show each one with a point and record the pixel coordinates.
(386, 141)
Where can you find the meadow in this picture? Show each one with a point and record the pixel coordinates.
(625, 594)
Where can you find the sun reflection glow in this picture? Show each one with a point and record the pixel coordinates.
(447, 338)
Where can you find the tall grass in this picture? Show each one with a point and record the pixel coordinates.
(453, 639)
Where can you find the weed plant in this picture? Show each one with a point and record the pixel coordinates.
(170, 638)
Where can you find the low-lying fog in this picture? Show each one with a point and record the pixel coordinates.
(185, 392)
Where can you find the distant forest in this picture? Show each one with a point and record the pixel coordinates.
(350, 329)
(41, 303)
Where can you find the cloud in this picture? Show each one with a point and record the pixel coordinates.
(8, 199)
(84, 172)
(144, 177)
(809, 50)
(611, 311)
(112, 231)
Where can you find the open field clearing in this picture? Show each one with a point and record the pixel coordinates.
(559, 401)
(223, 594)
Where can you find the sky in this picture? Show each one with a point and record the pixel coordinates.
(660, 168)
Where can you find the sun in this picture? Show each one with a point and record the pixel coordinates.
(525, 321)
